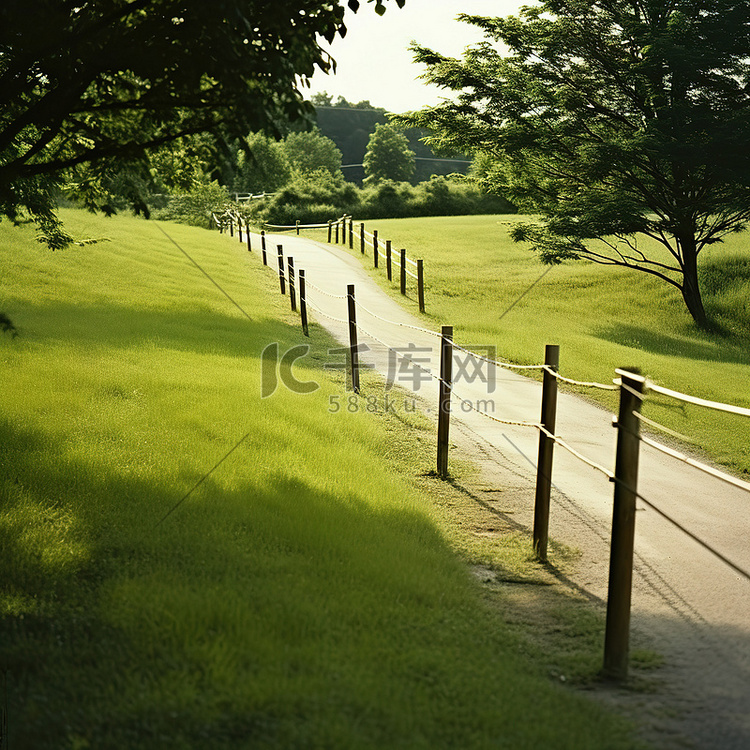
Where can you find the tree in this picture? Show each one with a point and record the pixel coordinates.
(263, 165)
(310, 151)
(89, 87)
(388, 156)
(613, 119)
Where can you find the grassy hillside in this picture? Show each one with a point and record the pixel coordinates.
(150, 598)
(480, 281)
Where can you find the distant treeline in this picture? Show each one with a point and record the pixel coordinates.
(350, 126)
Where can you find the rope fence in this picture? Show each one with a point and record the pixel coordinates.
(633, 391)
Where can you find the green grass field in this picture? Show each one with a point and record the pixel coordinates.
(285, 602)
(478, 280)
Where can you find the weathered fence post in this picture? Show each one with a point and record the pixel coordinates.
(353, 353)
(403, 271)
(330, 229)
(338, 224)
(231, 227)
(263, 246)
(249, 243)
(388, 265)
(297, 226)
(444, 399)
(420, 284)
(292, 294)
(282, 282)
(239, 229)
(351, 233)
(617, 634)
(375, 248)
(303, 302)
(546, 450)
(362, 238)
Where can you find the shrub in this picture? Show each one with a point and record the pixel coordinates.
(196, 207)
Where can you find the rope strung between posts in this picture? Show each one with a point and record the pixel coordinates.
(559, 441)
(325, 314)
(393, 322)
(402, 356)
(514, 423)
(583, 384)
(695, 538)
(296, 226)
(697, 464)
(506, 365)
(698, 401)
(662, 428)
(323, 291)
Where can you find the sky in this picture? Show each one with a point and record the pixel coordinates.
(374, 61)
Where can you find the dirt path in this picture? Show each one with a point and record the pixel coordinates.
(687, 604)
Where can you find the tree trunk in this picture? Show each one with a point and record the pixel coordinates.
(691, 292)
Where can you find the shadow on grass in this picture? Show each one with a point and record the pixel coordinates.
(273, 615)
(718, 349)
(126, 327)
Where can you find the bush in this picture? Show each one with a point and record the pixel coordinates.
(310, 198)
(318, 197)
(196, 207)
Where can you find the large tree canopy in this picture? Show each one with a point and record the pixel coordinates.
(613, 119)
(88, 85)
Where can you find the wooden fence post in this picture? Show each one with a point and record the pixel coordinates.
(338, 224)
(231, 227)
(617, 634)
(388, 265)
(351, 233)
(303, 302)
(420, 284)
(546, 449)
(282, 282)
(403, 271)
(362, 238)
(375, 247)
(297, 226)
(249, 244)
(239, 229)
(444, 400)
(353, 353)
(330, 229)
(292, 294)
(263, 246)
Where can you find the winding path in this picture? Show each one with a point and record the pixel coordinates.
(687, 604)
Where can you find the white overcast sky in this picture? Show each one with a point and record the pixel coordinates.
(374, 61)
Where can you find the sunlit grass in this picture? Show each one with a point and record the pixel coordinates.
(307, 593)
(494, 293)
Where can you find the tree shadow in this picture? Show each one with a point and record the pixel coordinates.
(122, 326)
(709, 349)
